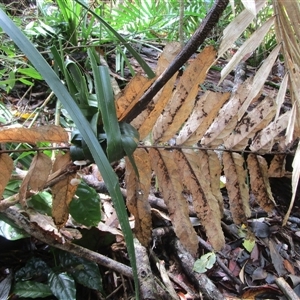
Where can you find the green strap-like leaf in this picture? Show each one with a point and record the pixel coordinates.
(106, 103)
(109, 176)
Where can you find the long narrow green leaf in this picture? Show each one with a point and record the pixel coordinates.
(139, 59)
(107, 106)
(83, 126)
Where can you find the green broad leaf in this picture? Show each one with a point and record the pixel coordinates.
(205, 262)
(83, 271)
(31, 289)
(9, 230)
(139, 59)
(249, 245)
(86, 207)
(108, 174)
(34, 268)
(41, 202)
(62, 286)
(31, 72)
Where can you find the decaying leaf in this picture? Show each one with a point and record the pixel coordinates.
(45, 223)
(249, 46)
(131, 95)
(183, 98)
(145, 121)
(277, 166)
(215, 171)
(194, 166)
(237, 27)
(36, 176)
(62, 192)
(269, 133)
(6, 167)
(259, 181)
(204, 113)
(260, 79)
(47, 133)
(257, 119)
(237, 188)
(226, 120)
(137, 195)
(170, 184)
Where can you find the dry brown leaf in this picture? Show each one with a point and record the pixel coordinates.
(137, 195)
(226, 120)
(170, 184)
(269, 133)
(183, 98)
(203, 114)
(249, 46)
(259, 181)
(215, 171)
(131, 95)
(277, 166)
(47, 133)
(237, 188)
(257, 119)
(6, 167)
(36, 176)
(145, 121)
(62, 192)
(237, 27)
(195, 174)
(45, 223)
(295, 182)
(260, 79)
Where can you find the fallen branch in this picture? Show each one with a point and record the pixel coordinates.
(32, 229)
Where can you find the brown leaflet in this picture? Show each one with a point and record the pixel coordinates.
(145, 121)
(170, 183)
(36, 176)
(44, 223)
(137, 195)
(238, 191)
(202, 116)
(226, 120)
(196, 176)
(215, 171)
(277, 166)
(182, 101)
(6, 167)
(251, 123)
(48, 133)
(270, 132)
(131, 95)
(259, 181)
(62, 192)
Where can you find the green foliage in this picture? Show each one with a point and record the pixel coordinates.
(83, 126)
(9, 230)
(37, 280)
(85, 207)
(83, 271)
(32, 289)
(205, 262)
(152, 20)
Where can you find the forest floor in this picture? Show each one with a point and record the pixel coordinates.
(262, 273)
